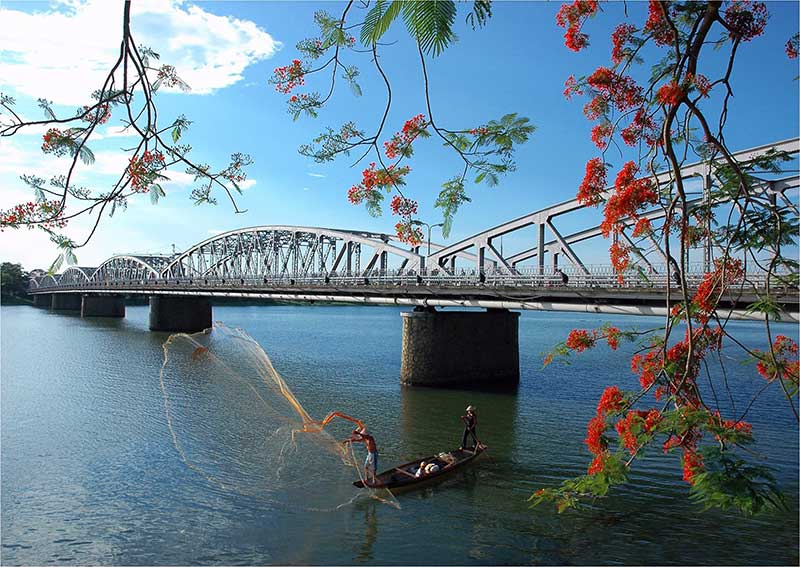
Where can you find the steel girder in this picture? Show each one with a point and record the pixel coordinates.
(482, 243)
(285, 252)
(122, 268)
(75, 275)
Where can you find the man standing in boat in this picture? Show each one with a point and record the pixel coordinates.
(361, 435)
(470, 423)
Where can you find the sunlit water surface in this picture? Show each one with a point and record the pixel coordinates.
(90, 473)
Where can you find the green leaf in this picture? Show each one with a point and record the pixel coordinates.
(56, 265)
(156, 192)
(87, 156)
(430, 22)
(378, 20)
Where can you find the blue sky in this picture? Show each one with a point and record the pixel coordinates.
(227, 51)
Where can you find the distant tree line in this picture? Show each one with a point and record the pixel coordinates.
(13, 281)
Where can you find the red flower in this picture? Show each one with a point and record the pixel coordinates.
(692, 465)
(622, 34)
(611, 401)
(642, 227)
(612, 336)
(657, 23)
(594, 435)
(601, 133)
(670, 93)
(288, 77)
(746, 19)
(598, 463)
(580, 339)
(572, 16)
(594, 183)
(793, 46)
(571, 87)
(403, 206)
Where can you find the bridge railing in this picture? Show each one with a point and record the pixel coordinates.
(598, 277)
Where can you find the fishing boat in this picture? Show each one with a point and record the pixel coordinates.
(404, 476)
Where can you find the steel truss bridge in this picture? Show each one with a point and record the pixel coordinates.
(323, 264)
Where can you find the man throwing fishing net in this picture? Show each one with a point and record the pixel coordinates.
(361, 435)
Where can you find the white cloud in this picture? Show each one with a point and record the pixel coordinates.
(118, 132)
(247, 184)
(316, 174)
(65, 54)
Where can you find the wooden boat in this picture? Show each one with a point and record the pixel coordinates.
(403, 476)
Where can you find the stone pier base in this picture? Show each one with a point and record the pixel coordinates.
(103, 306)
(43, 300)
(461, 349)
(66, 302)
(176, 313)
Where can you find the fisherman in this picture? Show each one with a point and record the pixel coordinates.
(470, 423)
(361, 435)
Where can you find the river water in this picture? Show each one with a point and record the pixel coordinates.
(90, 474)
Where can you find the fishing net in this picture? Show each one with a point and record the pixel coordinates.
(234, 421)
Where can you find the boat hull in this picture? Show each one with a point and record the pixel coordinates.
(402, 477)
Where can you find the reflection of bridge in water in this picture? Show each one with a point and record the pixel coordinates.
(332, 265)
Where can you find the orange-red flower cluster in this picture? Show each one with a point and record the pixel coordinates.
(99, 115)
(53, 141)
(403, 206)
(630, 195)
(746, 19)
(142, 170)
(612, 336)
(670, 93)
(620, 91)
(373, 179)
(619, 39)
(572, 16)
(642, 127)
(620, 256)
(288, 77)
(611, 401)
(581, 339)
(701, 83)
(657, 23)
(646, 421)
(793, 46)
(642, 227)
(714, 284)
(47, 214)
(692, 464)
(601, 133)
(590, 193)
(403, 139)
(784, 364)
(409, 233)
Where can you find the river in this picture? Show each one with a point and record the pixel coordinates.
(90, 474)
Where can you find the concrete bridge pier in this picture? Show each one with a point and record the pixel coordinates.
(43, 300)
(179, 313)
(66, 302)
(470, 349)
(93, 305)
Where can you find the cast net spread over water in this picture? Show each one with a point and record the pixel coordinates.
(234, 420)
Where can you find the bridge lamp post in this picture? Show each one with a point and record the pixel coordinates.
(430, 228)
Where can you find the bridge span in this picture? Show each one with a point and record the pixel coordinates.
(312, 264)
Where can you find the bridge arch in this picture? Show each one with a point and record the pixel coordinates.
(290, 251)
(119, 268)
(76, 275)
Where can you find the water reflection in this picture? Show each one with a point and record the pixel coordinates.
(365, 552)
